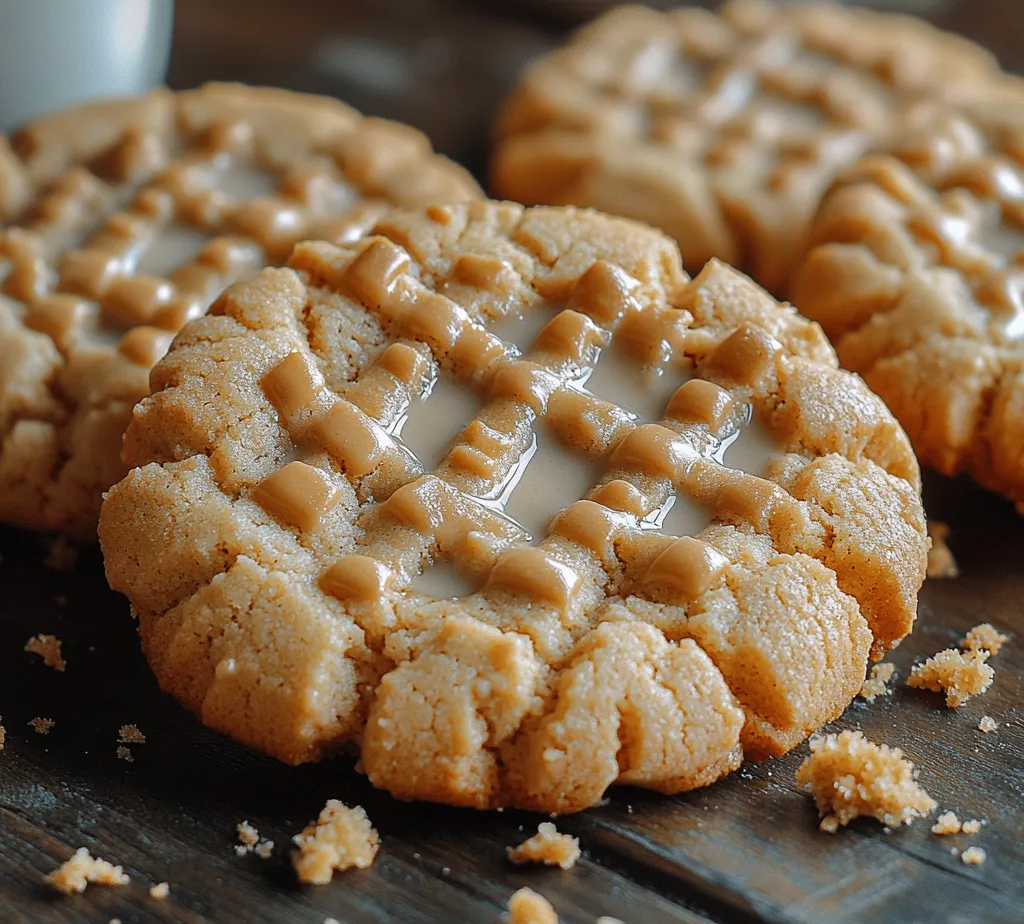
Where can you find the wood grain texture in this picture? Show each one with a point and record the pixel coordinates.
(746, 849)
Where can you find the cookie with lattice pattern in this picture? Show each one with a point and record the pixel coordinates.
(504, 497)
(917, 273)
(123, 220)
(723, 129)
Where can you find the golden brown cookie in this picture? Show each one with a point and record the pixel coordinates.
(723, 129)
(506, 498)
(125, 219)
(917, 274)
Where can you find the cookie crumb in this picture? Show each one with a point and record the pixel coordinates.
(971, 826)
(124, 754)
(959, 675)
(988, 724)
(341, 838)
(984, 637)
(264, 850)
(947, 823)
(159, 891)
(82, 870)
(62, 555)
(529, 907)
(41, 725)
(877, 684)
(941, 563)
(3, 734)
(130, 734)
(973, 856)
(48, 648)
(547, 846)
(850, 776)
(248, 838)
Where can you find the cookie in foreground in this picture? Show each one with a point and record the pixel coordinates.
(506, 498)
(916, 272)
(124, 219)
(723, 129)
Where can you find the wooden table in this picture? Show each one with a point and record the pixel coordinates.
(745, 849)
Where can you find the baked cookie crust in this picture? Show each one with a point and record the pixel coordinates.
(124, 219)
(723, 129)
(275, 533)
(916, 271)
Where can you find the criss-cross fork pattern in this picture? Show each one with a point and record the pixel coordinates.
(203, 205)
(295, 538)
(739, 118)
(953, 198)
(449, 514)
(130, 218)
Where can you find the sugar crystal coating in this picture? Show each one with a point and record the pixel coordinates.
(562, 601)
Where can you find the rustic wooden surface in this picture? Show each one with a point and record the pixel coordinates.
(743, 850)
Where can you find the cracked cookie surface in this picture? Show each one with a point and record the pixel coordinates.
(723, 129)
(503, 497)
(123, 220)
(916, 271)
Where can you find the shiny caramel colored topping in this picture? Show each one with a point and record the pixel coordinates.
(745, 356)
(527, 383)
(653, 335)
(144, 345)
(472, 461)
(58, 316)
(27, 278)
(134, 299)
(290, 385)
(654, 450)
(297, 495)
(440, 214)
(685, 570)
(434, 319)
(749, 499)
(483, 438)
(417, 505)
(356, 578)
(229, 256)
(485, 273)
(604, 293)
(623, 496)
(590, 525)
(88, 272)
(533, 573)
(476, 351)
(370, 276)
(405, 363)
(570, 335)
(352, 438)
(698, 401)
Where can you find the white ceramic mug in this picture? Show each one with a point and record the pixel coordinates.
(54, 53)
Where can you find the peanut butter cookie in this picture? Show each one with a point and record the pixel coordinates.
(917, 274)
(723, 129)
(506, 498)
(125, 219)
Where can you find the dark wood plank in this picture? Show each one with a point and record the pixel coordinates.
(746, 849)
